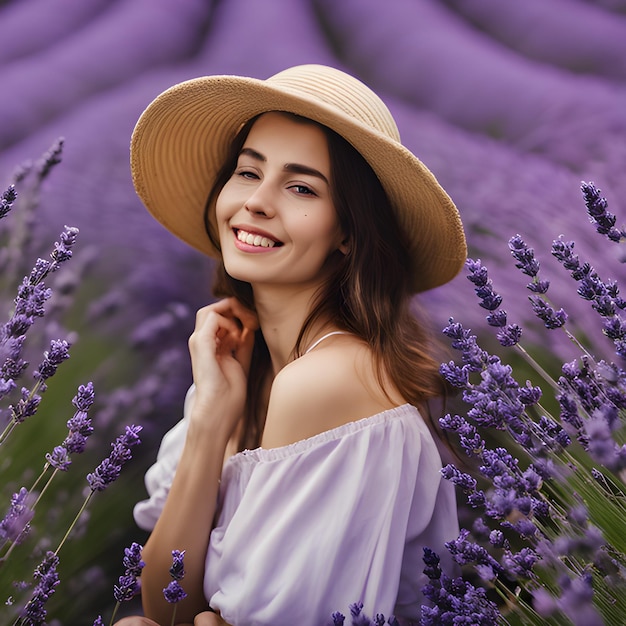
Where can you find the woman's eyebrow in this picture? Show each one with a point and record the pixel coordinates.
(295, 168)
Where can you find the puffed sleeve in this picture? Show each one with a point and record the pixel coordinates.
(308, 529)
(159, 476)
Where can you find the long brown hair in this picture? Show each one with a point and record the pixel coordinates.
(367, 292)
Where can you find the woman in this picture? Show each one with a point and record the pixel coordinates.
(304, 476)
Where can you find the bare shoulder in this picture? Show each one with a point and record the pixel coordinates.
(334, 384)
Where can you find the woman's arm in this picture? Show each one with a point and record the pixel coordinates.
(220, 348)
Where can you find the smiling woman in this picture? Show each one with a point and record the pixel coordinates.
(279, 192)
(305, 475)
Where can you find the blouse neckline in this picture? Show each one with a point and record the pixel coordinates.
(349, 428)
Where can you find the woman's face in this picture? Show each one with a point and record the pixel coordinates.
(276, 219)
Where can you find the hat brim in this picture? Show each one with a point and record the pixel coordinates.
(182, 139)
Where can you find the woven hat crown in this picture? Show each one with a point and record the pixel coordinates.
(340, 91)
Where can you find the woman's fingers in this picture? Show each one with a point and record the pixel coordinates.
(227, 329)
(233, 308)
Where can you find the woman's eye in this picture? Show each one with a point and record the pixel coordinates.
(246, 174)
(303, 190)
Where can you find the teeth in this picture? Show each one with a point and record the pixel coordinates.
(254, 240)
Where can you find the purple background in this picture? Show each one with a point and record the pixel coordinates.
(510, 104)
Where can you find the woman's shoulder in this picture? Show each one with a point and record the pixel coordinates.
(333, 385)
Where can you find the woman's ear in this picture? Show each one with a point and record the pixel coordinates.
(344, 246)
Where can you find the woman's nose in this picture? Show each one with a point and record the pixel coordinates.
(260, 202)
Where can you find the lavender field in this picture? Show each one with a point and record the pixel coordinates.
(510, 104)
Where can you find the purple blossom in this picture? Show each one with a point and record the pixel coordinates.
(524, 255)
(126, 588)
(601, 217)
(550, 317)
(25, 407)
(469, 438)
(30, 300)
(50, 158)
(464, 551)
(520, 564)
(59, 458)
(16, 523)
(98, 621)
(599, 441)
(457, 376)
(128, 585)
(338, 618)
(6, 200)
(58, 352)
(454, 601)
(460, 479)
(431, 564)
(483, 286)
(174, 593)
(132, 559)
(63, 249)
(472, 355)
(509, 335)
(177, 570)
(109, 469)
(552, 434)
(563, 251)
(84, 398)
(576, 601)
(79, 425)
(497, 318)
(529, 394)
(34, 613)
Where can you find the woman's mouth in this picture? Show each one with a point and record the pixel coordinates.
(255, 239)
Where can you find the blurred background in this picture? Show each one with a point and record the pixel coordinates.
(511, 105)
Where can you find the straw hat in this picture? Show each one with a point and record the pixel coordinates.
(182, 138)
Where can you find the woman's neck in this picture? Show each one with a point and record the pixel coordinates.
(282, 314)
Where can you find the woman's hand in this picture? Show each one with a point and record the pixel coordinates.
(207, 618)
(221, 350)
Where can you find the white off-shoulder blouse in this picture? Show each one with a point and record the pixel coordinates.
(307, 529)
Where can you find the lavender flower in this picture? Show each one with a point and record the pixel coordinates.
(361, 619)
(34, 613)
(79, 425)
(576, 601)
(508, 334)
(473, 356)
(177, 570)
(525, 256)
(601, 217)
(464, 551)
(174, 593)
(109, 469)
(25, 407)
(50, 158)
(63, 249)
(128, 584)
(58, 352)
(489, 299)
(127, 588)
(132, 559)
(59, 458)
(15, 524)
(6, 200)
(550, 317)
(454, 601)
